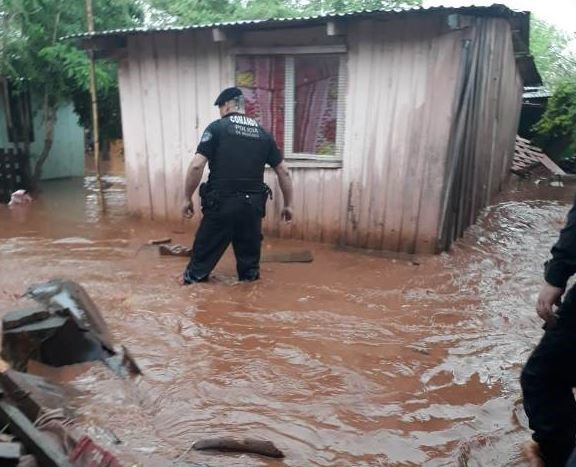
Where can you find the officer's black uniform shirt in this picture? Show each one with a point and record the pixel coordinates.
(563, 263)
(238, 149)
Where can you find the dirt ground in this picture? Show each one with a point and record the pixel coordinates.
(350, 360)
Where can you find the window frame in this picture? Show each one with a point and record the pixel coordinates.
(304, 160)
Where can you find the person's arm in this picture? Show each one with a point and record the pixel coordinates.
(193, 178)
(285, 182)
(558, 269)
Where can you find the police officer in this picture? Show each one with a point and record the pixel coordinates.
(550, 373)
(237, 149)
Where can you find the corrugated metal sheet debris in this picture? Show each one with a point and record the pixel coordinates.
(536, 92)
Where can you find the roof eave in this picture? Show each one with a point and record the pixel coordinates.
(493, 10)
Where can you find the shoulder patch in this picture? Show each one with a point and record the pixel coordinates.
(206, 136)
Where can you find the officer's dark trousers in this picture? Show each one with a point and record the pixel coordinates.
(236, 219)
(547, 381)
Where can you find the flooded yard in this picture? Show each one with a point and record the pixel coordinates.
(351, 360)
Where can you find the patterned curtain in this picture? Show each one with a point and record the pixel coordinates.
(261, 79)
(316, 109)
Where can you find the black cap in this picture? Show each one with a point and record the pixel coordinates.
(227, 95)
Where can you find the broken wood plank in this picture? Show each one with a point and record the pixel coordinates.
(246, 445)
(174, 250)
(300, 256)
(123, 364)
(160, 241)
(23, 343)
(17, 318)
(73, 332)
(32, 394)
(38, 443)
(10, 453)
(551, 165)
(61, 293)
(394, 255)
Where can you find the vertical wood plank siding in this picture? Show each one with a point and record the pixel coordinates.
(484, 130)
(406, 126)
(400, 105)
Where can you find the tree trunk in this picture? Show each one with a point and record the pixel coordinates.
(50, 117)
(50, 109)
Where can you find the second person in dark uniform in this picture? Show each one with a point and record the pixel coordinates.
(548, 378)
(236, 149)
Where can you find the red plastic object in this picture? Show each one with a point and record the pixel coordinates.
(86, 453)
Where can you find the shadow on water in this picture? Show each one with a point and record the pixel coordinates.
(349, 360)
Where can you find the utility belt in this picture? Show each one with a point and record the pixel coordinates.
(225, 186)
(215, 191)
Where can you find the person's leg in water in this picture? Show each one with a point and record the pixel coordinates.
(247, 237)
(212, 239)
(547, 381)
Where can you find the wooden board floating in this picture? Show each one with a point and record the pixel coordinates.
(296, 256)
(300, 256)
(246, 445)
(174, 250)
(160, 241)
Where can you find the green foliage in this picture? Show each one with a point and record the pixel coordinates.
(556, 130)
(30, 47)
(109, 116)
(56, 71)
(559, 121)
(196, 11)
(212, 11)
(550, 48)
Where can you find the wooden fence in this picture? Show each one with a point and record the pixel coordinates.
(13, 173)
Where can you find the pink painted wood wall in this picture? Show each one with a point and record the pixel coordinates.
(400, 104)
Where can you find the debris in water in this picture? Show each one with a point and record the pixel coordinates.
(35, 413)
(68, 295)
(174, 250)
(19, 197)
(246, 445)
(67, 329)
(298, 256)
(160, 241)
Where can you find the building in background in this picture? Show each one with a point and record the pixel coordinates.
(67, 155)
(399, 126)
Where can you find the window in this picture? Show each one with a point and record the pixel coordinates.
(298, 98)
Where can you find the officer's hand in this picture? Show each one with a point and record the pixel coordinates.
(287, 214)
(188, 209)
(548, 297)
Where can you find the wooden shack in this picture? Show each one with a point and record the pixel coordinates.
(398, 126)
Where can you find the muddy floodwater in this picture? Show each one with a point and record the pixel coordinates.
(351, 360)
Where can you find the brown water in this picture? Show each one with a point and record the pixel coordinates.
(349, 361)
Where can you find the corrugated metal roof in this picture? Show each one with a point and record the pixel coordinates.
(495, 9)
(536, 92)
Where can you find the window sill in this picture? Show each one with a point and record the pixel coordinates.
(295, 163)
